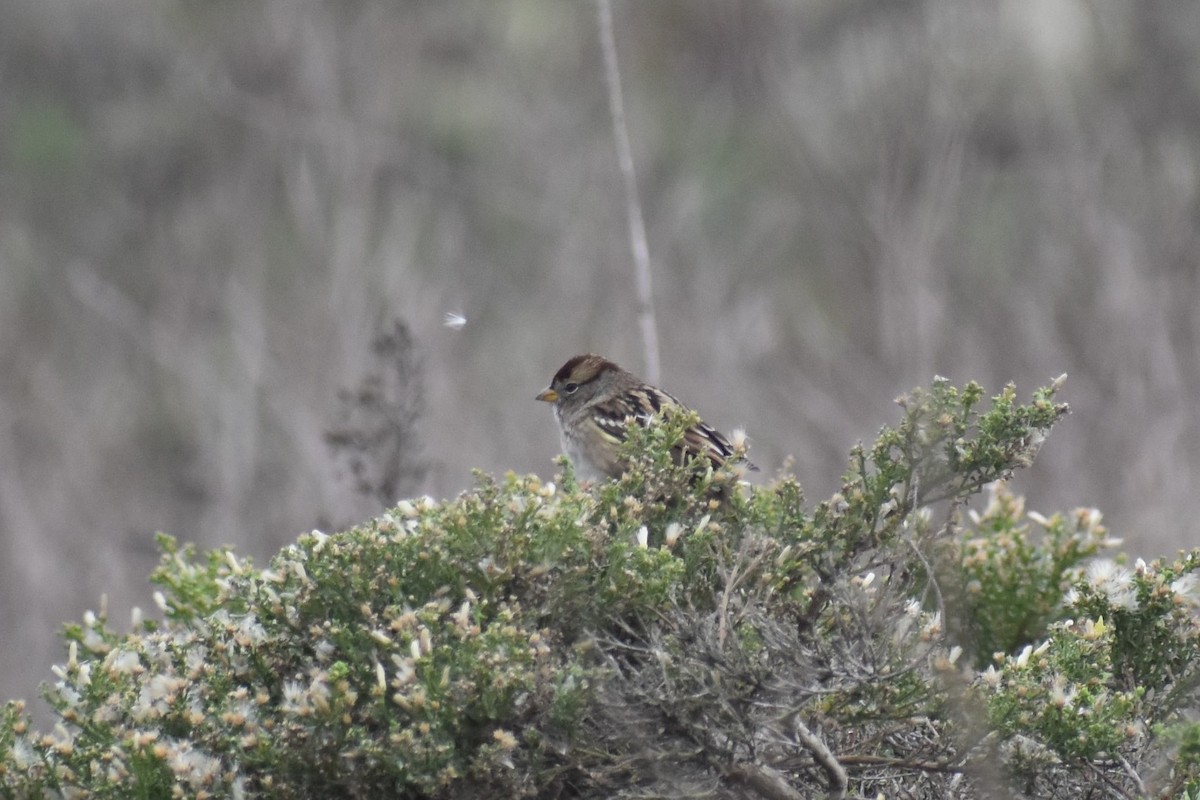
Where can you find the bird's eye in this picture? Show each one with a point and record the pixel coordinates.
(571, 388)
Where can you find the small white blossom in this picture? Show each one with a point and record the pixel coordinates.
(195, 767)
(23, 753)
(1061, 695)
(405, 671)
(1187, 588)
(1114, 581)
(196, 660)
(67, 695)
(321, 538)
(318, 692)
(932, 627)
(250, 632)
(1039, 519)
(123, 662)
(426, 640)
(991, 677)
(93, 642)
(155, 695)
(1023, 659)
(295, 699)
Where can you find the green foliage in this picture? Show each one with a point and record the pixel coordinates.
(195, 585)
(1109, 658)
(944, 448)
(1062, 692)
(1152, 612)
(1012, 581)
(1184, 739)
(529, 639)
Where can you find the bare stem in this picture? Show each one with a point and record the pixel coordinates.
(633, 206)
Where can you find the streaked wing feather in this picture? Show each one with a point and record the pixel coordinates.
(643, 402)
(632, 405)
(703, 439)
(611, 427)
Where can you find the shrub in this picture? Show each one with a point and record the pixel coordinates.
(673, 633)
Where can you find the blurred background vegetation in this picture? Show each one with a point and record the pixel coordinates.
(228, 227)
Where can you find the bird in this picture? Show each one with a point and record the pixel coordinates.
(595, 401)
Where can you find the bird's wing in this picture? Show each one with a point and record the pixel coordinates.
(638, 404)
(642, 402)
(700, 439)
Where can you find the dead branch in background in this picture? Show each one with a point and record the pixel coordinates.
(378, 436)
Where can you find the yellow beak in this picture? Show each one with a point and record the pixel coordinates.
(548, 396)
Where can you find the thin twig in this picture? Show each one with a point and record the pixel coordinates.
(732, 581)
(1117, 791)
(901, 763)
(633, 206)
(1133, 775)
(929, 572)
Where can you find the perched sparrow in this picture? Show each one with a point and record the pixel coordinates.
(595, 401)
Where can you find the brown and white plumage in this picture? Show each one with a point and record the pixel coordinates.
(594, 400)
